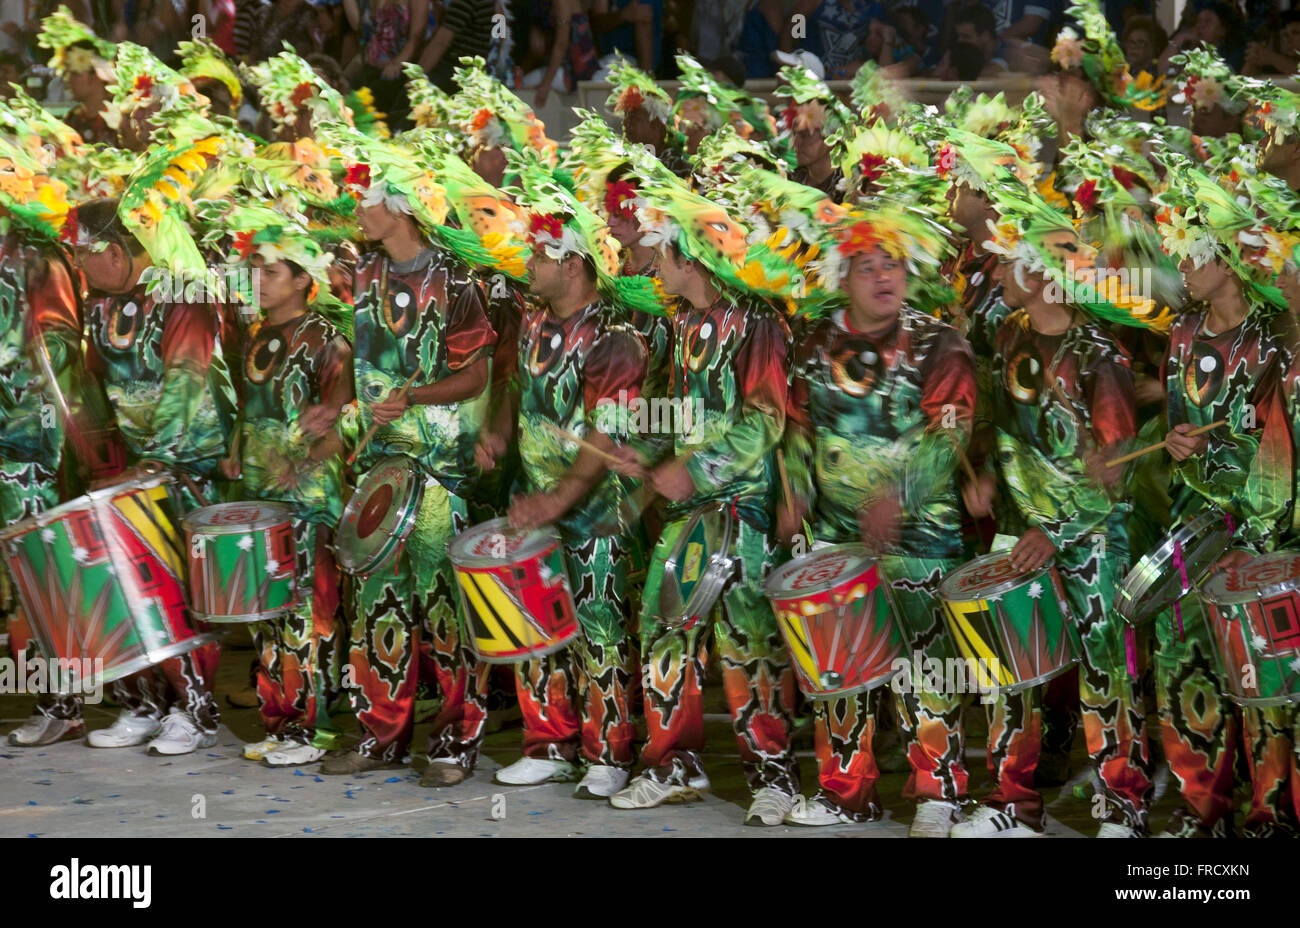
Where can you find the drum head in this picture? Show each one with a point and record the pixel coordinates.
(1262, 578)
(986, 577)
(379, 515)
(699, 565)
(232, 518)
(494, 542)
(1155, 582)
(818, 571)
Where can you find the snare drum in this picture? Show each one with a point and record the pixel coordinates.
(1014, 625)
(514, 588)
(242, 561)
(1170, 570)
(101, 577)
(698, 566)
(1254, 616)
(830, 606)
(380, 516)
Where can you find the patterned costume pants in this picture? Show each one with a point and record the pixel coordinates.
(757, 674)
(843, 730)
(407, 624)
(1199, 724)
(183, 683)
(1270, 738)
(300, 654)
(578, 698)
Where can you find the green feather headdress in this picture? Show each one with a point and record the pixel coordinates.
(493, 117)
(287, 83)
(1207, 82)
(701, 100)
(34, 204)
(877, 156)
(634, 88)
(202, 58)
(60, 30)
(142, 80)
(979, 163)
(813, 104)
(431, 106)
(1101, 59)
(874, 96)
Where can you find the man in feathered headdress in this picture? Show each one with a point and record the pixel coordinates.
(813, 116)
(85, 64)
(647, 114)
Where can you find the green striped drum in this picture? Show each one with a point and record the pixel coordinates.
(242, 560)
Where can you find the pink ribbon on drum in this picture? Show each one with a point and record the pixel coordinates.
(1182, 574)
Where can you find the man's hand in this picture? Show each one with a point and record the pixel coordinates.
(789, 521)
(1094, 462)
(1234, 559)
(530, 512)
(540, 95)
(1032, 551)
(629, 462)
(979, 496)
(392, 70)
(880, 523)
(490, 448)
(672, 480)
(1183, 446)
(318, 419)
(390, 409)
(230, 467)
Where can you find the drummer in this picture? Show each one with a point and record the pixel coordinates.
(47, 309)
(420, 318)
(729, 362)
(162, 366)
(882, 399)
(581, 363)
(297, 378)
(1225, 363)
(1058, 373)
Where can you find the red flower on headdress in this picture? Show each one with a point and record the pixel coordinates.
(144, 84)
(545, 226)
(302, 93)
(788, 116)
(946, 161)
(616, 194)
(631, 99)
(1266, 108)
(1086, 195)
(860, 238)
(1126, 177)
(244, 243)
(357, 175)
(872, 166)
(71, 230)
(480, 119)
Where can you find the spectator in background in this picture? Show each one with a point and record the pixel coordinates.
(12, 67)
(633, 27)
(920, 32)
(465, 30)
(248, 17)
(1142, 39)
(87, 75)
(1022, 20)
(283, 21)
(977, 50)
(561, 49)
(760, 36)
(391, 34)
(1214, 24)
(715, 28)
(1280, 56)
(887, 48)
(837, 33)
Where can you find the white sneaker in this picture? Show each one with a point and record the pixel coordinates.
(988, 822)
(601, 782)
(180, 735)
(814, 812)
(126, 732)
(1115, 830)
(646, 793)
(529, 771)
(935, 818)
(290, 755)
(40, 730)
(258, 749)
(770, 807)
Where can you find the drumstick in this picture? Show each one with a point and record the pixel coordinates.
(961, 456)
(370, 432)
(785, 477)
(569, 436)
(1132, 455)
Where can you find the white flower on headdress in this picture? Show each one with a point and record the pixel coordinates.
(559, 248)
(378, 192)
(1207, 93)
(1068, 51)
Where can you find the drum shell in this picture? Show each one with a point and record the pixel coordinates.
(241, 572)
(100, 577)
(516, 607)
(824, 632)
(366, 544)
(1201, 540)
(1028, 632)
(700, 564)
(1263, 633)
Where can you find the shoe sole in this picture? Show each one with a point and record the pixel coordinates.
(72, 734)
(689, 794)
(558, 778)
(127, 744)
(291, 763)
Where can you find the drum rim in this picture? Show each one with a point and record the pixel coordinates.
(524, 658)
(268, 520)
(1245, 596)
(770, 584)
(715, 572)
(410, 506)
(1130, 599)
(1001, 588)
(247, 617)
(536, 542)
(82, 503)
(147, 660)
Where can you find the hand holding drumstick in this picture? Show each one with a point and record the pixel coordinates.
(389, 410)
(1183, 441)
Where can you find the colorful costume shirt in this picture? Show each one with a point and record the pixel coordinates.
(729, 377)
(1248, 467)
(1059, 398)
(38, 303)
(165, 375)
(875, 416)
(579, 374)
(427, 315)
(289, 368)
